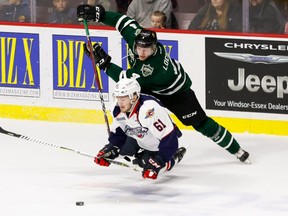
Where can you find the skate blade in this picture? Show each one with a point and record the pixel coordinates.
(247, 161)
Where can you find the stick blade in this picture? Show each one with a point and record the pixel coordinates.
(9, 133)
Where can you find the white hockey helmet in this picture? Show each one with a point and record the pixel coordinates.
(127, 87)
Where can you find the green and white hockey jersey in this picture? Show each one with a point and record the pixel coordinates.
(159, 74)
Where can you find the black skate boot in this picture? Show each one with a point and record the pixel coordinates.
(243, 156)
(178, 156)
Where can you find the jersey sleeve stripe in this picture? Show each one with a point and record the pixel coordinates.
(123, 22)
(127, 23)
(119, 22)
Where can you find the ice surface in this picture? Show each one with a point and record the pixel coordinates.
(38, 180)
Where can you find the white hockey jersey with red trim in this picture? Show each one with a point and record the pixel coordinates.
(148, 123)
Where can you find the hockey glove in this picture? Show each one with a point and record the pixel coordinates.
(102, 59)
(138, 159)
(90, 13)
(108, 151)
(152, 167)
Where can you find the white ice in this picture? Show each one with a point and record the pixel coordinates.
(39, 180)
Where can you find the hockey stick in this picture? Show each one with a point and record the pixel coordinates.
(97, 75)
(20, 136)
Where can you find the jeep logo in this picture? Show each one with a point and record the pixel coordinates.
(253, 83)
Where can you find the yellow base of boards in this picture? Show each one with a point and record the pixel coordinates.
(236, 125)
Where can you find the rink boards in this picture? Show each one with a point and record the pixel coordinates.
(240, 80)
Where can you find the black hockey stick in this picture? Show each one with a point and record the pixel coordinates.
(96, 70)
(20, 136)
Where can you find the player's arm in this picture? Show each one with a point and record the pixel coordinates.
(116, 72)
(110, 151)
(124, 24)
(117, 137)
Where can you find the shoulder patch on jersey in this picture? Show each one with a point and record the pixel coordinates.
(120, 118)
(150, 113)
(137, 31)
(147, 70)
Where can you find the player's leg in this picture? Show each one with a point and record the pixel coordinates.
(143, 158)
(177, 157)
(188, 110)
(130, 148)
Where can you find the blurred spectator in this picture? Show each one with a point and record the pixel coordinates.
(62, 13)
(17, 11)
(218, 15)
(122, 5)
(158, 20)
(2, 2)
(105, 3)
(173, 20)
(141, 10)
(2, 5)
(265, 17)
(284, 11)
(174, 4)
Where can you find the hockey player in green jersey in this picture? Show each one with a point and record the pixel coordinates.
(158, 75)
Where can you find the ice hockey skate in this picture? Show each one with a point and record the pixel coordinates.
(178, 156)
(243, 156)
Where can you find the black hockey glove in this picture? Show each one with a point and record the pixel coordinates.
(108, 151)
(102, 59)
(152, 167)
(138, 159)
(90, 13)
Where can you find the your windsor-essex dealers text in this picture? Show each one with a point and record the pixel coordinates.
(253, 105)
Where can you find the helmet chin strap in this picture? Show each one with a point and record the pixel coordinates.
(154, 48)
(133, 104)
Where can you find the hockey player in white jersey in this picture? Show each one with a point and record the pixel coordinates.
(142, 129)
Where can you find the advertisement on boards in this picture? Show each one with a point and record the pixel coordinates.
(73, 73)
(19, 65)
(246, 75)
